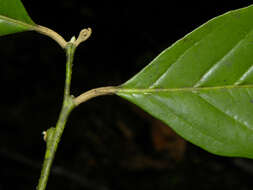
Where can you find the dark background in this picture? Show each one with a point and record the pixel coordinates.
(108, 143)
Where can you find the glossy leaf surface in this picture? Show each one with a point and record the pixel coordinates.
(13, 17)
(202, 86)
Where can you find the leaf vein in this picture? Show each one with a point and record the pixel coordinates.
(14, 21)
(224, 112)
(157, 81)
(186, 121)
(187, 89)
(244, 75)
(216, 64)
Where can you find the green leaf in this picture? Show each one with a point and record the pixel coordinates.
(202, 86)
(14, 18)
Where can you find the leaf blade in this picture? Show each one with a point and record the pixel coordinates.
(14, 18)
(202, 85)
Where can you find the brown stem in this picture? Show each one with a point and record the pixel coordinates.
(94, 93)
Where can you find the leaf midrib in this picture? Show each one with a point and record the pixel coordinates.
(18, 22)
(186, 89)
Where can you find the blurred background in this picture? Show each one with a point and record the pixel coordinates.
(108, 143)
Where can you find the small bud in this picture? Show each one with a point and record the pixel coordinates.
(44, 133)
(73, 39)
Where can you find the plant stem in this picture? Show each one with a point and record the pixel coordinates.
(68, 105)
(53, 135)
